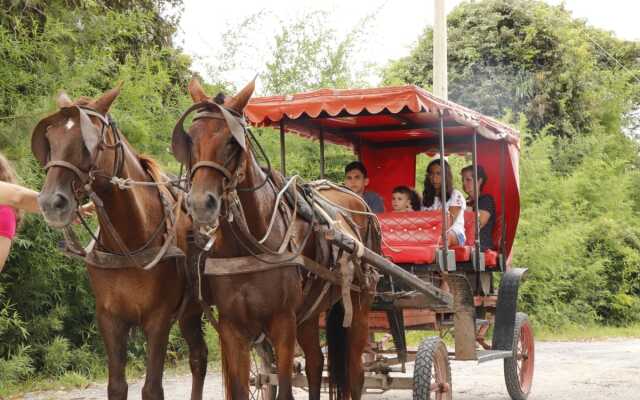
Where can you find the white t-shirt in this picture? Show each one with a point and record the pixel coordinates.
(456, 200)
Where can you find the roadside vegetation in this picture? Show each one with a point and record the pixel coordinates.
(522, 61)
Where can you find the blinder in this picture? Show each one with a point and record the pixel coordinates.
(91, 136)
(181, 141)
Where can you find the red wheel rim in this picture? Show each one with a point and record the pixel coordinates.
(525, 357)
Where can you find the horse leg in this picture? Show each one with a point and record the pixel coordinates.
(309, 340)
(115, 333)
(236, 362)
(282, 332)
(157, 334)
(358, 334)
(191, 328)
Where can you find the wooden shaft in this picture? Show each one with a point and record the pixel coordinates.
(348, 244)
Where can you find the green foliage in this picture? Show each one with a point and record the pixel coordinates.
(47, 324)
(308, 56)
(57, 356)
(16, 367)
(579, 231)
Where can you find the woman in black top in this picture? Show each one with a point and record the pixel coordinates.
(486, 205)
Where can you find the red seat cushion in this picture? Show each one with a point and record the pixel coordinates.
(463, 253)
(490, 258)
(410, 237)
(414, 237)
(410, 254)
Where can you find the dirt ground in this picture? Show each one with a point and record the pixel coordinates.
(563, 370)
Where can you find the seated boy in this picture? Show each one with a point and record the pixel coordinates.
(404, 198)
(355, 178)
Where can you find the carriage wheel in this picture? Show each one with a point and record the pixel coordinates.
(432, 371)
(262, 363)
(518, 369)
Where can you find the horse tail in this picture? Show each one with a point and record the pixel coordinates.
(338, 350)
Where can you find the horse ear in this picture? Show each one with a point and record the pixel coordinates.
(240, 100)
(63, 100)
(103, 103)
(196, 91)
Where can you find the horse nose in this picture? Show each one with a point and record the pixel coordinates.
(59, 202)
(211, 202)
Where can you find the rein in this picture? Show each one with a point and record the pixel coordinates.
(261, 257)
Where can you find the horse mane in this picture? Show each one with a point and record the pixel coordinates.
(151, 166)
(83, 101)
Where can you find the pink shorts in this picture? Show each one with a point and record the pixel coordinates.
(7, 222)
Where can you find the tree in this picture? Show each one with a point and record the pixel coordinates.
(528, 57)
(308, 56)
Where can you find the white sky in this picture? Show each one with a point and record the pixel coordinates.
(396, 28)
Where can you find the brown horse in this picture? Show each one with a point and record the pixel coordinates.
(268, 302)
(82, 149)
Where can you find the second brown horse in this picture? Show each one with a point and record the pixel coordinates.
(266, 302)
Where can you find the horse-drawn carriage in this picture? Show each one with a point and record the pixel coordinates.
(387, 128)
(277, 252)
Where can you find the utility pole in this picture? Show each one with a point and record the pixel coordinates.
(440, 87)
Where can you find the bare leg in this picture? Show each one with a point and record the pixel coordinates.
(452, 239)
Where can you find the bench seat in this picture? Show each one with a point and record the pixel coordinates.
(414, 238)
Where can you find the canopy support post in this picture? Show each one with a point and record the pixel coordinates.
(478, 261)
(444, 259)
(503, 220)
(321, 152)
(283, 166)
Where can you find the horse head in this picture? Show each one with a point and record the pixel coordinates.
(68, 145)
(214, 149)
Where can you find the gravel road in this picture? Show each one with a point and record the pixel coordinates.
(563, 370)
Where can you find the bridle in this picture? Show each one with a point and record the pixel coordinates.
(232, 209)
(98, 144)
(86, 178)
(243, 136)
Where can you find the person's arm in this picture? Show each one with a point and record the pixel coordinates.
(5, 246)
(453, 214)
(485, 208)
(484, 218)
(19, 197)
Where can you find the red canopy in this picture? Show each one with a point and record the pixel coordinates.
(389, 126)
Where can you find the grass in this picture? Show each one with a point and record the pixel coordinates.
(587, 333)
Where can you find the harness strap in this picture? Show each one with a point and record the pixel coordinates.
(213, 165)
(104, 216)
(82, 175)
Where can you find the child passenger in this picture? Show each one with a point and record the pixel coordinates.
(404, 198)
